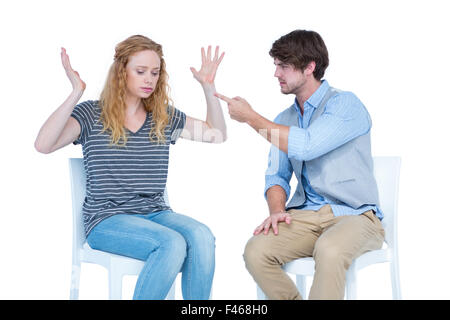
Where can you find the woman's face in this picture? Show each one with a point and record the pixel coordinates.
(142, 70)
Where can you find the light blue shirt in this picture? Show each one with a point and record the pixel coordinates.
(344, 119)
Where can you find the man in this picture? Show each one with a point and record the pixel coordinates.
(324, 138)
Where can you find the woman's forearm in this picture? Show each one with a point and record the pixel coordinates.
(53, 127)
(214, 114)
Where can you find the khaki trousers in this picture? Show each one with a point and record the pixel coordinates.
(332, 241)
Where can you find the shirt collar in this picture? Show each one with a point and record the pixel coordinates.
(317, 96)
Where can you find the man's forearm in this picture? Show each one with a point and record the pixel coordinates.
(240, 110)
(276, 134)
(276, 199)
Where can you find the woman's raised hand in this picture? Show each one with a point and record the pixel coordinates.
(74, 77)
(208, 70)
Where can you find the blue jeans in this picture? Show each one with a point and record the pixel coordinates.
(169, 243)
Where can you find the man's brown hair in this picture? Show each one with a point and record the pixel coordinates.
(299, 48)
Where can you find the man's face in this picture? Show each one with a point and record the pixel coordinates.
(291, 80)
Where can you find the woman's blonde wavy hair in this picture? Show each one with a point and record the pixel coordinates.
(112, 98)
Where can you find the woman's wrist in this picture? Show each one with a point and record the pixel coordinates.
(209, 86)
(75, 96)
(77, 92)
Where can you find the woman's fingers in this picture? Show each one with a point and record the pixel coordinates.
(194, 71)
(203, 55)
(73, 75)
(220, 59)
(208, 57)
(65, 60)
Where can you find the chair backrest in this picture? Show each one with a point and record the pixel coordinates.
(387, 175)
(78, 187)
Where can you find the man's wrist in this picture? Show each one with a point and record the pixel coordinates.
(253, 120)
(277, 211)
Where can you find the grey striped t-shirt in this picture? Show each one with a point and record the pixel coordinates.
(130, 179)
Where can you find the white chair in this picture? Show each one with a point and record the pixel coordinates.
(387, 175)
(117, 265)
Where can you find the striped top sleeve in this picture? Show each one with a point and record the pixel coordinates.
(176, 123)
(85, 114)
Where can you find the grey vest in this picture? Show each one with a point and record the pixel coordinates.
(343, 175)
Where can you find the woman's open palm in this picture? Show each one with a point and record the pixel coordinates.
(208, 70)
(73, 76)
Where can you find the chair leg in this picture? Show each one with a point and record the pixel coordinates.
(351, 283)
(301, 285)
(171, 294)
(115, 283)
(395, 281)
(75, 281)
(260, 294)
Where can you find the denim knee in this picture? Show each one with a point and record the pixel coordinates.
(174, 244)
(201, 236)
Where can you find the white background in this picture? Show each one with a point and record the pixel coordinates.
(394, 55)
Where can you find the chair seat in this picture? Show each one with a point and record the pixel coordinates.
(305, 266)
(125, 264)
(372, 257)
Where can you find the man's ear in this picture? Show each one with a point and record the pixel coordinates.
(309, 70)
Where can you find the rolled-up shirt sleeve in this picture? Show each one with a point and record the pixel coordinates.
(344, 119)
(279, 170)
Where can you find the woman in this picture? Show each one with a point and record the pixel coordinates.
(125, 138)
